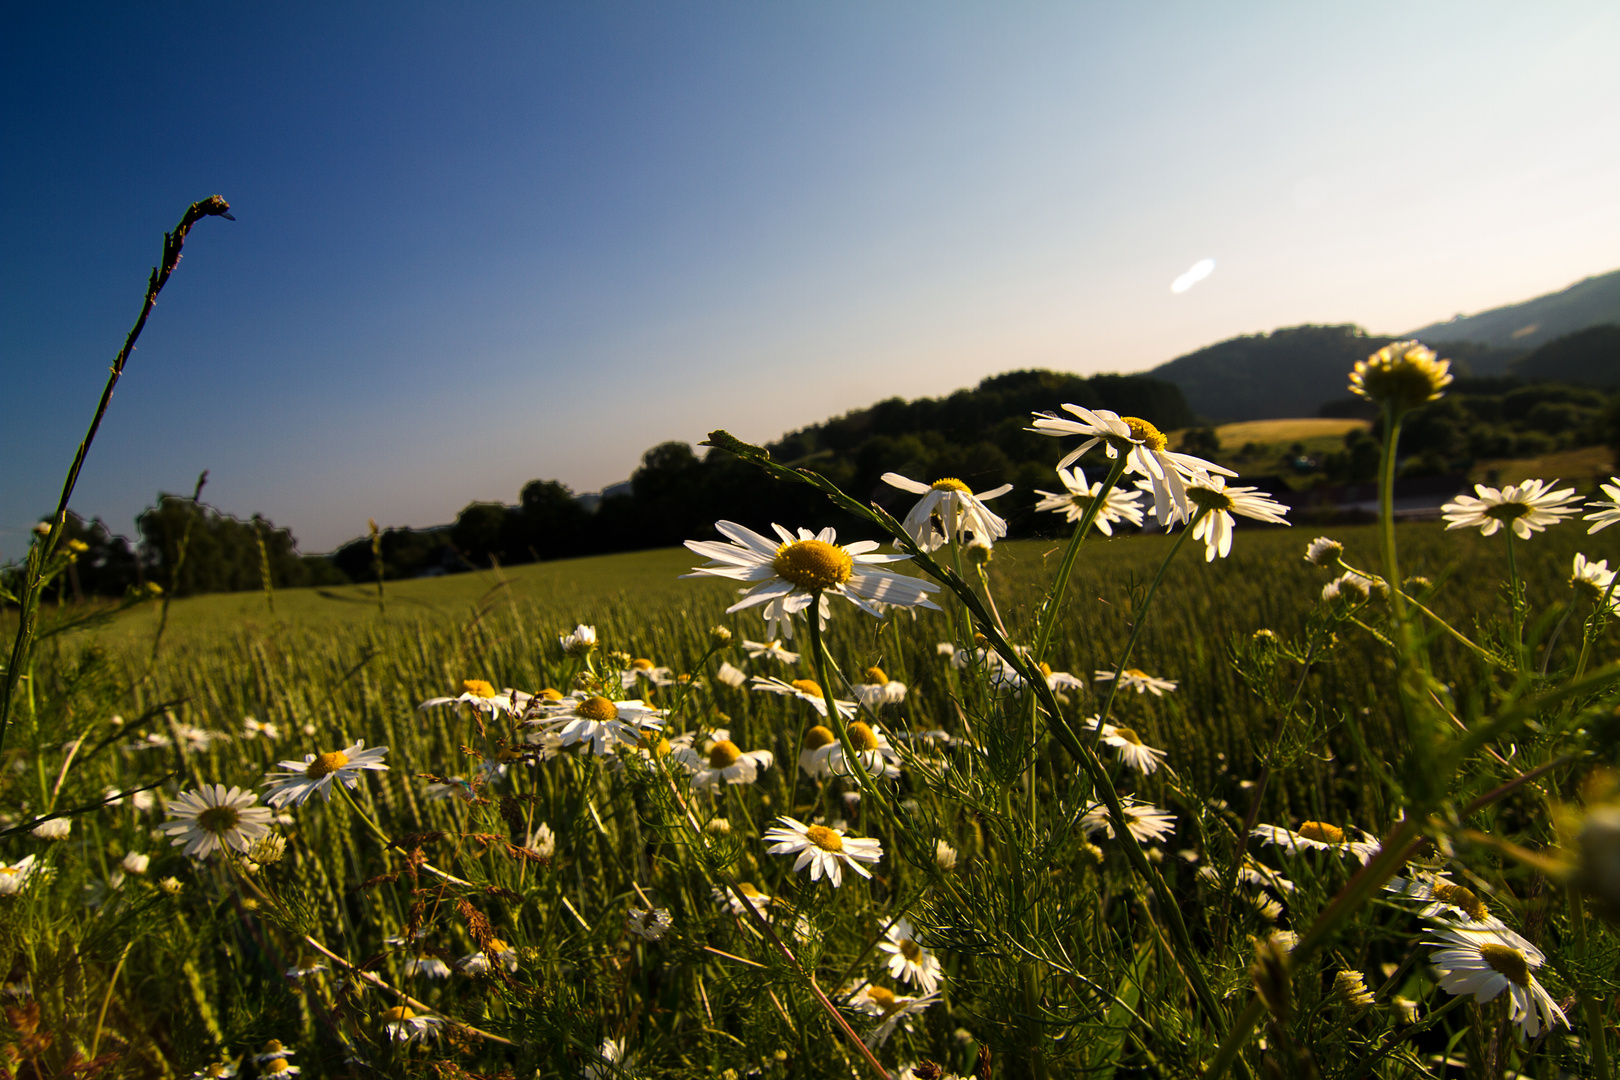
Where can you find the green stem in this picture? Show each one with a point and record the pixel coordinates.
(1060, 585)
(1386, 516)
(1598, 618)
(1516, 601)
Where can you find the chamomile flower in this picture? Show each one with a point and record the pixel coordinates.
(477, 694)
(1121, 504)
(272, 1050)
(610, 1063)
(212, 819)
(479, 962)
(1593, 579)
(872, 749)
(1128, 744)
(542, 841)
(1605, 511)
(1140, 681)
(1251, 873)
(909, 961)
(733, 677)
(1323, 552)
(771, 650)
(1319, 836)
(641, 669)
(16, 875)
(826, 851)
(1529, 507)
(786, 575)
(429, 966)
(580, 643)
(316, 773)
(584, 718)
(135, 862)
(879, 689)
(649, 925)
(1145, 822)
(805, 690)
(949, 512)
(404, 1026)
(1219, 502)
(1486, 962)
(252, 729)
(1403, 373)
(55, 829)
(893, 1008)
(722, 762)
(812, 760)
(1146, 450)
(1353, 588)
(757, 900)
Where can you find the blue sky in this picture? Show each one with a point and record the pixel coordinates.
(480, 244)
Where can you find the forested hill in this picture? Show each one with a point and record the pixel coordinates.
(1526, 326)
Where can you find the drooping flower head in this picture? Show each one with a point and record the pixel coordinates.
(949, 512)
(909, 961)
(1404, 373)
(1210, 494)
(1485, 962)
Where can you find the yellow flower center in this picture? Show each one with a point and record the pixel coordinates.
(478, 688)
(219, 819)
(1137, 673)
(326, 764)
(597, 708)
(1507, 511)
(723, 753)
(1321, 832)
(748, 890)
(277, 1065)
(1145, 433)
(950, 483)
(911, 950)
(819, 736)
(1403, 372)
(808, 686)
(1459, 897)
(497, 946)
(1508, 960)
(548, 694)
(813, 564)
(273, 1047)
(883, 998)
(862, 735)
(824, 838)
(1046, 669)
(875, 676)
(641, 663)
(398, 1013)
(9, 871)
(1128, 735)
(1209, 498)
(216, 1069)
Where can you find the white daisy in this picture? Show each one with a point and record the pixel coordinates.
(1592, 580)
(824, 850)
(757, 900)
(812, 759)
(770, 649)
(479, 962)
(893, 1008)
(805, 690)
(404, 1026)
(1144, 759)
(430, 966)
(909, 961)
(949, 512)
(542, 841)
(55, 829)
(16, 875)
(732, 676)
(1145, 822)
(1486, 962)
(1529, 507)
(580, 642)
(722, 762)
(872, 749)
(1323, 552)
(213, 819)
(879, 689)
(791, 572)
(479, 695)
(1121, 504)
(272, 1050)
(649, 925)
(1353, 588)
(1444, 899)
(278, 1067)
(641, 669)
(1606, 511)
(315, 774)
(1319, 836)
(252, 729)
(219, 1070)
(1220, 502)
(583, 718)
(1250, 873)
(610, 1062)
(1140, 681)
(135, 862)
(1145, 448)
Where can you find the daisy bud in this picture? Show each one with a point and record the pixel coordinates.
(718, 827)
(944, 855)
(171, 885)
(979, 554)
(42, 529)
(136, 863)
(1092, 852)
(1323, 552)
(1352, 991)
(719, 636)
(268, 850)
(1403, 374)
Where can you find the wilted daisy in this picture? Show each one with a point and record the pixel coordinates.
(1121, 504)
(1210, 494)
(1323, 552)
(581, 642)
(949, 512)
(805, 690)
(879, 689)
(1403, 373)
(1140, 681)
(316, 773)
(649, 925)
(790, 572)
(1529, 507)
(583, 718)
(16, 875)
(1319, 836)
(1593, 580)
(480, 695)
(212, 819)
(404, 1026)
(872, 749)
(909, 961)
(1146, 823)
(722, 762)
(1144, 759)
(1486, 962)
(1605, 511)
(1145, 447)
(824, 850)
(893, 1008)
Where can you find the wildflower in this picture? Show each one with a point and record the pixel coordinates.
(909, 961)
(1486, 962)
(277, 1067)
(1144, 759)
(15, 876)
(946, 649)
(252, 729)
(1323, 552)
(1319, 836)
(1351, 587)
(649, 925)
(218, 1070)
(403, 1025)
(213, 819)
(791, 573)
(756, 899)
(1593, 580)
(1077, 497)
(430, 966)
(720, 636)
(825, 850)
(722, 763)
(1352, 990)
(171, 885)
(54, 829)
(944, 855)
(879, 689)
(584, 718)
(480, 695)
(805, 690)
(479, 962)
(1406, 1008)
(1267, 907)
(872, 750)
(1060, 680)
(894, 1009)
(271, 1052)
(1140, 681)
(949, 512)
(812, 758)
(1146, 823)
(731, 676)
(315, 774)
(643, 669)
(1403, 373)
(1529, 507)
(770, 649)
(542, 841)
(1219, 503)
(580, 643)
(1607, 511)
(304, 971)
(612, 1056)
(135, 862)
(1145, 448)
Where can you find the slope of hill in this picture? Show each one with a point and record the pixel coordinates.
(1589, 357)
(1533, 323)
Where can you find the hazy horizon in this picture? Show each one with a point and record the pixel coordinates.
(480, 247)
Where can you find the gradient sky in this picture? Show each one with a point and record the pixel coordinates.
(484, 243)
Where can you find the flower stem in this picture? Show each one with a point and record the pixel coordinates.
(1054, 602)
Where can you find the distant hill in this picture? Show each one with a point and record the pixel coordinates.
(1589, 357)
(1534, 323)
